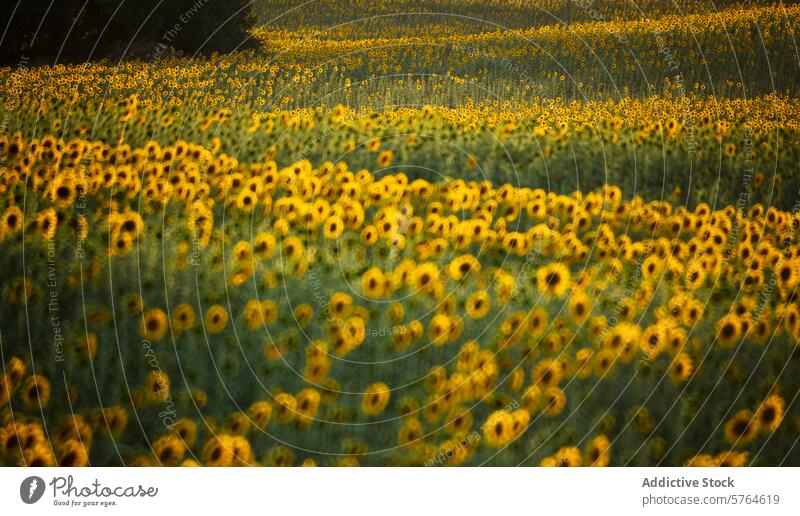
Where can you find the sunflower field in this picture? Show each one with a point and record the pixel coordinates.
(548, 233)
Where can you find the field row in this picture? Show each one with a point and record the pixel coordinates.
(225, 313)
(596, 60)
(353, 19)
(686, 148)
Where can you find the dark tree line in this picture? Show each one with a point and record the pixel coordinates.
(41, 31)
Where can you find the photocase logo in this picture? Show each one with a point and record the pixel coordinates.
(31, 489)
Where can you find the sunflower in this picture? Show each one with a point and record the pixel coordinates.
(374, 144)
(183, 317)
(553, 279)
(453, 452)
(216, 319)
(286, 407)
(298, 269)
(169, 449)
(15, 369)
(237, 423)
(597, 328)
(133, 304)
(532, 398)
(627, 308)
(425, 277)
(186, 430)
(154, 324)
(695, 275)
(122, 244)
(12, 220)
(597, 452)
(462, 266)
(385, 158)
(417, 329)
(264, 245)
(35, 392)
(567, 456)
(242, 251)
(303, 314)
(583, 362)
(402, 338)
(654, 340)
(47, 223)
(692, 312)
(307, 405)
(369, 235)
(375, 399)
(252, 315)
(72, 454)
(88, 346)
(762, 329)
(520, 419)
(157, 387)
(603, 361)
(198, 397)
(478, 304)
(280, 457)
(729, 330)
(468, 356)
(353, 332)
(340, 304)
(246, 200)
(130, 223)
(578, 306)
(643, 420)
(652, 266)
(260, 413)
(702, 461)
(515, 242)
(770, 413)
(11, 437)
(37, 456)
(791, 318)
(218, 451)
(333, 227)
(537, 321)
(317, 367)
(293, 247)
(242, 451)
(74, 427)
(681, 369)
(372, 283)
(732, 459)
(459, 420)
(742, 428)
(410, 432)
(114, 419)
(788, 274)
(554, 401)
(676, 338)
(439, 329)
(268, 311)
(547, 373)
(499, 428)
(547, 462)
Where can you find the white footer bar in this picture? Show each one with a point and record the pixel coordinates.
(400, 491)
